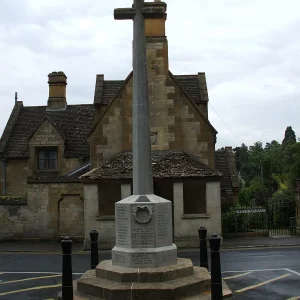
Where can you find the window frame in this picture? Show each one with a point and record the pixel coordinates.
(48, 150)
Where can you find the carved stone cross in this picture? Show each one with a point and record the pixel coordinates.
(148, 10)
(141, 146)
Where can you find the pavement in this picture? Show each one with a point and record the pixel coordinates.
(228, 243)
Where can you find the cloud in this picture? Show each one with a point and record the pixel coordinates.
(248, 49)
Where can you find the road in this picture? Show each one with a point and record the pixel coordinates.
(251, 274)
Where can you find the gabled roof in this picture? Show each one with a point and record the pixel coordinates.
(165, 164)
(74, 124)
(193, 85)
(182, 89)
(77, 121)
(52, 123)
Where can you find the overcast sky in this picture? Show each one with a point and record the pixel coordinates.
(249, 50)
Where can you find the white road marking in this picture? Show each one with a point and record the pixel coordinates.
(294, 272)
(261, 270)
(274, 255)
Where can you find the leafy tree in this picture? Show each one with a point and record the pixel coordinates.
(289, 136)
(268, 173)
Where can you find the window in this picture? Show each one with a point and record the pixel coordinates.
(194, 197)
(47, 159)
(108, 194)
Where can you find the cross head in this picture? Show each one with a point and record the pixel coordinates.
(149, 10)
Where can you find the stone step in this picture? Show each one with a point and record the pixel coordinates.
(227, 294)
(79, 296)
(183, 268)
(180, 288)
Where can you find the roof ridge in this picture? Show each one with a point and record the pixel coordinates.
(10, 125)
(193, 103)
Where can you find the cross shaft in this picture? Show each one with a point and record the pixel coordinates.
(141, 147)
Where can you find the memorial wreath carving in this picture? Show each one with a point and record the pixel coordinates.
(142, 214)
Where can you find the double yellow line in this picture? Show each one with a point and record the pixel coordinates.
(32, 288)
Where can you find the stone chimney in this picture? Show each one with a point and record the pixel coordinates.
(156, 40)
(57, 91)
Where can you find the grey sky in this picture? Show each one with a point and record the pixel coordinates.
(250, 51)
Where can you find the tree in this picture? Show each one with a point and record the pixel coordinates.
(289, 136)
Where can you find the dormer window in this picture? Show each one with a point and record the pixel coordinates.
(47, 158)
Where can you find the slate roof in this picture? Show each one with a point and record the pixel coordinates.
(166, 164)
(222, 166)
(193, 85)
(74, 123)
(225, 163)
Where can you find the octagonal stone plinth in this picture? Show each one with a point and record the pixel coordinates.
(177, 281)
(107, 270)
(144, 233)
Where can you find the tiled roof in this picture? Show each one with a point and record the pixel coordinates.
(74, 123)
(193, 85)
(53, 179)
(225, 163)
(166, 164)
(190, 84)
(110, 89)
(222, 166)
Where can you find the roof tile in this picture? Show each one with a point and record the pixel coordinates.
(166, 164)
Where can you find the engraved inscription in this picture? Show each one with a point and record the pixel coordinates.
(122, 225)
(120, 258)
(143, 237)
(145, 258)
(162, 222)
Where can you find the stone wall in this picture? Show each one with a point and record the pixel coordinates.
(39, 218)
(175, 121)
(106, 139)
(186, 226)
(16, 175)
(47, 136)
(18, 169)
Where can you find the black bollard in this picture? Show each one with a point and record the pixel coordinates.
(203, 247)
(67, 280)
(216, 278)
(94, 248)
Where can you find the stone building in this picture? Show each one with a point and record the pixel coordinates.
(64, 166)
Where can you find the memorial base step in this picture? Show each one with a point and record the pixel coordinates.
(180, 281)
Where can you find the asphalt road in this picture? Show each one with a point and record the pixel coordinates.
(251, 274)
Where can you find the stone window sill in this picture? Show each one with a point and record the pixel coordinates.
(195, 216)
(47, 171)
(105, 218)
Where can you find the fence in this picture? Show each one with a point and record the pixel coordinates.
(275, 218)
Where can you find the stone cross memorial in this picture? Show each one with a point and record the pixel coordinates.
(143, 221)
(144, 261)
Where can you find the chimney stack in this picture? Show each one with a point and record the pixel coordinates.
(57, 91)
(156, 40)
(155, 27)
